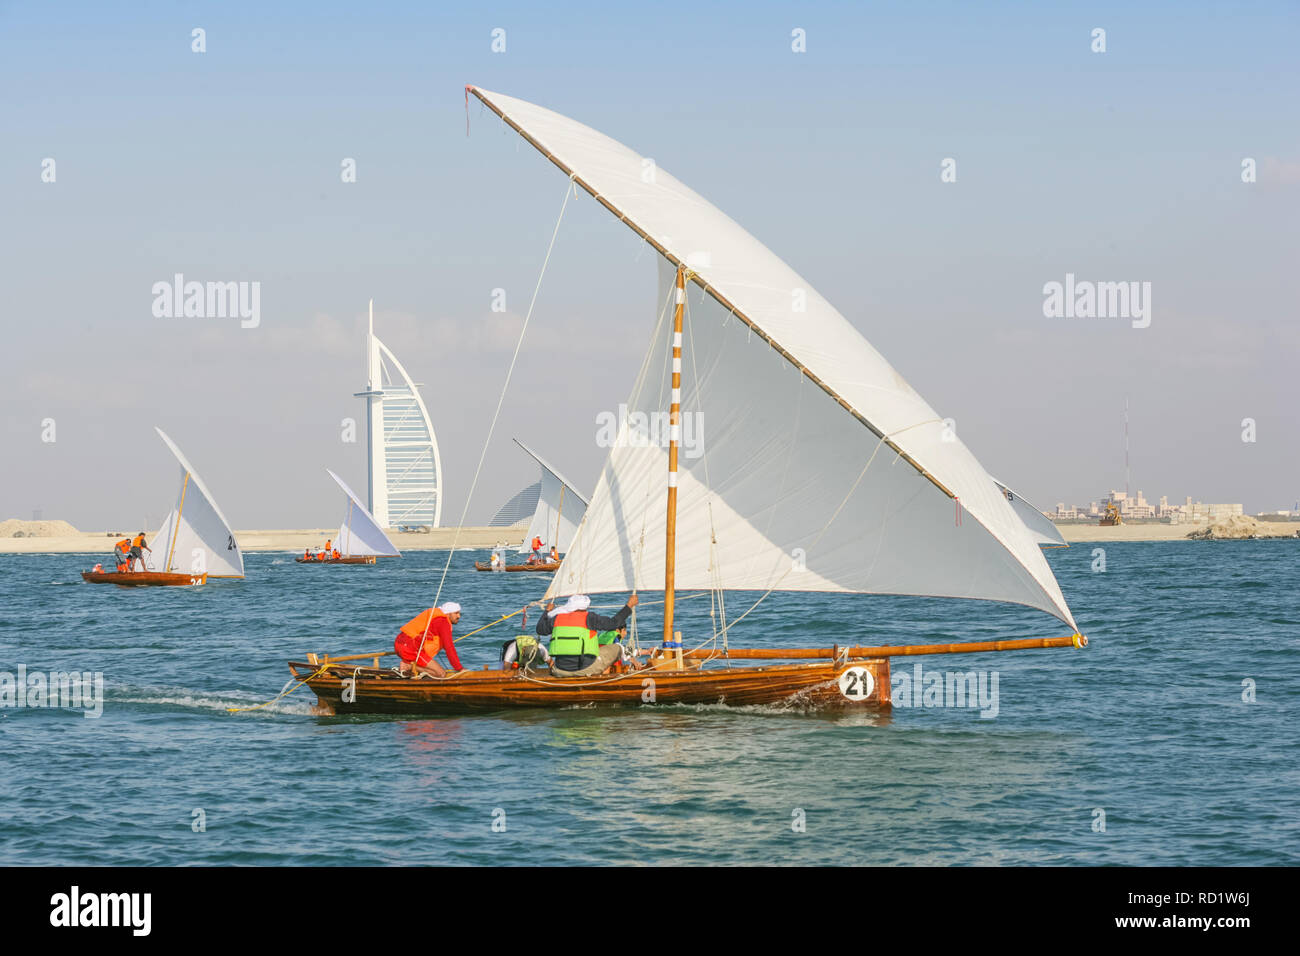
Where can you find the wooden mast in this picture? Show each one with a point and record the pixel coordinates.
(672, 642)
(348, 552)
(559, 514)
(176, 530)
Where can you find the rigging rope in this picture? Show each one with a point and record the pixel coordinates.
(501, 400)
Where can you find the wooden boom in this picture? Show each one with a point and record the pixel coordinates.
(900, 650)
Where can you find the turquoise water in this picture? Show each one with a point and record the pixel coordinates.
(1146, 725)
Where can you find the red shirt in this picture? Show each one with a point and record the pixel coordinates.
(439, 635)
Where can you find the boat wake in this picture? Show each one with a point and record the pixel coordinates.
(184, 698)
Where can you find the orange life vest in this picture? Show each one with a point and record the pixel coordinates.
(138, 542)
(537, 544)
(420, 625)
(337, 554)
(123, 546)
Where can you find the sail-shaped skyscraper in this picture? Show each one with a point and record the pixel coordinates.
(403, 467)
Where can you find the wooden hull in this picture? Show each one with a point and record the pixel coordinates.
(482, 566)
(803, 686)
(136, 579)
(353, 559)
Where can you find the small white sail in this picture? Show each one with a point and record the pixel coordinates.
(1040, 526)
(198, 536)
(160, 542)
(559, 511)
(821, 468)
(360, 534)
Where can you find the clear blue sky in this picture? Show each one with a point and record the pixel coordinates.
(225, 166)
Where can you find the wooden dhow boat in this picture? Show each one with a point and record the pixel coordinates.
(343, 559)
(823, 471)
(136, 579)
(547, 566)
(360, 539)
(195, 535)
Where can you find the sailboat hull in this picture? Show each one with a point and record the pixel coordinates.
(550, 566)
(352, 559)
(136, 579)
(815, 686)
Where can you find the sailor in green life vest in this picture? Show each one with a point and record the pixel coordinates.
(574, 631)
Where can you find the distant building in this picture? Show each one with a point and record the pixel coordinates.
(1137, 507)
(404, 470)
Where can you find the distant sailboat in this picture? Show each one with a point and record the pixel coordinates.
(1041, 527)
(360, 539)
(556, 516)
(822, 470)
(194, 544)
(560, 507)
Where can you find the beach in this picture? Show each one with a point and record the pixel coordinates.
(293, 540)
(477, 536)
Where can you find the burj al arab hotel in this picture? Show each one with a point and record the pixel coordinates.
(405, 472)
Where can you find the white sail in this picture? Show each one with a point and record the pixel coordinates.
(1040, 526)
(360, 534)
(200, 540)
(160, 543)
(559, 511)
(404, 467)
(822, 469)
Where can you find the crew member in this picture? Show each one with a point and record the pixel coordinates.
(523, 652)
(138, 547)
(537, 546)
(122, 554)
(555, 555)
(574, 630)
(420, 639)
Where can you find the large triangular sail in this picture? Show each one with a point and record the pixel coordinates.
(360, 535)
(818, 468)
(559, 510)
(196, 538)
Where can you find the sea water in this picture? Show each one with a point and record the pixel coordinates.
(1170, 739)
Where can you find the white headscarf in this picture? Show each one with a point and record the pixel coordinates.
(451, 607)
(579, 602)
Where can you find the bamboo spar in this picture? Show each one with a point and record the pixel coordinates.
(348, 552)
(674, 435)
(180, 508)
(559, 514)
(898, 650)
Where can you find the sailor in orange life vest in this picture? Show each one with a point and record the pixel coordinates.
(138, 547)
(122, 554)
(574, 647)
(537, 547)
(420, 639)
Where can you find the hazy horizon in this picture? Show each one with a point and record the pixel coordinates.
(224, 166)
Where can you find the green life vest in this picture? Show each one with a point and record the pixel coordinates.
(606, 637)
(571, 636)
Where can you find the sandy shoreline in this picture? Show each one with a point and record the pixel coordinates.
(1159, 532)
(295, 540)
(287, 540)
